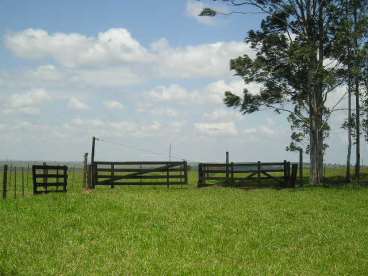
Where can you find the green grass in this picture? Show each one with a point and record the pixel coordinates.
(155, 230)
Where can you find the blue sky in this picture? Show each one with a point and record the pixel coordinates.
(138, 74)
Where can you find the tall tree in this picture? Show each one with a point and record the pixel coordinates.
(292, 44)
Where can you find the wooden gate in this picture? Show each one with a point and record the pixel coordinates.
(46, 177)
(139, 173)
(239, 173)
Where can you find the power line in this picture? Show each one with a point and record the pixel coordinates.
(138, 149)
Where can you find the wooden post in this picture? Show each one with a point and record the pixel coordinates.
(45, 176)
(185, 172)
(227, 167)
(232, 173)
(300, 164)
(167, 176)
(65, 169)
(89, 176)
(94, 175)
(112, 174)
(259, 172)
(85, 164)
(199, 183)
(93, 150)
(5, 181)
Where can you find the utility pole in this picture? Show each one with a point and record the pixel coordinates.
(93, 150)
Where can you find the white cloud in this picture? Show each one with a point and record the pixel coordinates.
(172, 92)
(117, 47)
(217, 129)
(113, 105)
(29, 102)
(204, 60)
(76, 104)
(113, 46)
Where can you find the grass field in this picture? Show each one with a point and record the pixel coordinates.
(155, 230)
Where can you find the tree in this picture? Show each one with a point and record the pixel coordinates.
(351, 35)
(292, 44)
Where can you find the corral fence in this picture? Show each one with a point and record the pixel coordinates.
(48, 178)
(138, 173)
(282, 173)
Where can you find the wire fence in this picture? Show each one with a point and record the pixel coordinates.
(17, 181)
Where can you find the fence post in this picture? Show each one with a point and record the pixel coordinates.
(94, 175)
(227, 167)
(232, 173)
(294, 172)
(85, 169)
(65, 169)
(185, 172)
(167, 176)
(259, 172)
(200, 176)
(112, 174)
(5, 181)
(45, 176)
(301, 164)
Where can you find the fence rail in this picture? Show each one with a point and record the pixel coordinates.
(240, 173)
(104, 173)
(46, 176)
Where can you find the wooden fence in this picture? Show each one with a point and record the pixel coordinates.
(241, 173)
(46, 177)
(138, 173)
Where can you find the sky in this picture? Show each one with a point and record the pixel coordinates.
(140, 76)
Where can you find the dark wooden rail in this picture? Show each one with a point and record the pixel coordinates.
(139, 173)
(46, 177)
(240, 173)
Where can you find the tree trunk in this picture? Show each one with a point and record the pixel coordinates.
(348, 158)
(357, 103)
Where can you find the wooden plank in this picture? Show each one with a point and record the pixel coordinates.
(141, 183)
(138, 163)
(107, 170)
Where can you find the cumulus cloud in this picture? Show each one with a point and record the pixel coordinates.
(29, 102)
(77, 104)
(117, 47)
(112, 46)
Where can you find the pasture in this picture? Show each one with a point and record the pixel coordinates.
(159, 230)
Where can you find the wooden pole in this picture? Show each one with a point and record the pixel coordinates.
(85, 163)
(93, 150)
(5, 181)
(301, 164)
(45, 177)
(259, 172)
(227, 167)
